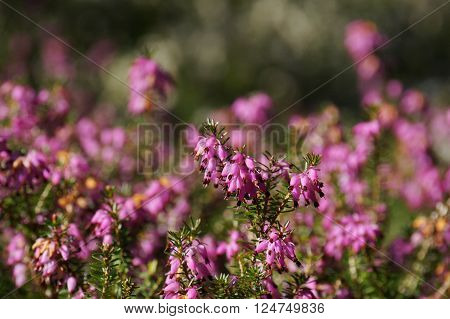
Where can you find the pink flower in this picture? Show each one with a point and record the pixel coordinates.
(307, 290)
(171, 288)
(197, 260)
(16, 249)
(280, 168)
(369, 68)
(20, 274)
(146, 247)
(103, 222)
(407, 131)
(71, 284)
(394, 89)
(156, 197)
(354, 231)
(412, 101)
(211, 153)
(277, 247)
(400, 249)
(252, 110)
(306, 186)
(241, 178)
(231, 248)
(197, 263)
(145, 78)
(28, 170)
(46, 254)
(361, 38)
(367, 129)
(77, 242)
(192, 293)
(271, 288)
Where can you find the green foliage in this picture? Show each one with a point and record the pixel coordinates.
(247, 285)
(311, 159)
(106, 274)
(185, 235)
(103, 273)
(151, 281)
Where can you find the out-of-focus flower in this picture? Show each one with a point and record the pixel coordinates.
(354, 231)
(156, 197)
(279, 168)
(252, 110)
(400, 249)
(439, 132)
(56, 58)
(20, 274)
(71, 284)
(231, 248)
(16, 249)
(148, 81)
(103, 223)
(147, 246)
(387, 114)
(27, 170)
(412, 101)
(394, 89)
(17, 258)
(308, 290)
(361, 38)
(271, 288)
(369, 68)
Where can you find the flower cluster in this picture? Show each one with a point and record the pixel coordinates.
(103, 222)
(307, 187)
(211, 153)
(277, 247)
(29, 170)
(191, 264)
(16, 258)
(354, 231)
(316, 217)
(240, 177)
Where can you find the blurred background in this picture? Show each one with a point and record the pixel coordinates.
(218, 50)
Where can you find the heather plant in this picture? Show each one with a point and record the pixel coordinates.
(327, 210)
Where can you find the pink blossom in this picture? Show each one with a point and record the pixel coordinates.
(307, 290)
(354, 231)
(211, 153)
(197, 260)
(271, 288)
(241, 178)
(71, 284)
(361, 38)
(412, 101)
(103, 222)
(277, 247)
(252, 110)
(145, 78)
(231, 248)
(192, 293)
(306, 186)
